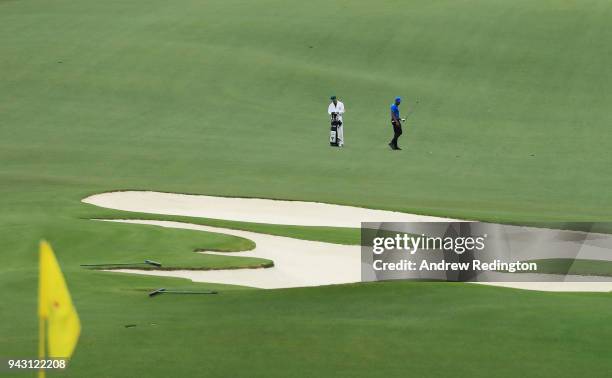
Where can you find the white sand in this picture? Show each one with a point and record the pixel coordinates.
(556, 286)
(297, 263)
(251, 209)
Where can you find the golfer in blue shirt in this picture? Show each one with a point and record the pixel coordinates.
(396, 121)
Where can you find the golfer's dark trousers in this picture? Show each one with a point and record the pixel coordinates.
(397, 131)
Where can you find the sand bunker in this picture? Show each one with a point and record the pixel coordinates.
(297, 263)
(253, 210)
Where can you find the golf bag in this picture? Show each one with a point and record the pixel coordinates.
(335, 123)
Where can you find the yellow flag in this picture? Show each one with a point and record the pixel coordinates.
(55, 307)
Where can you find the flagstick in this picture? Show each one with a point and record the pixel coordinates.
(41, 344)
(41, 318)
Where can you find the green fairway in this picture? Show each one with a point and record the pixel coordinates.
(229, 98)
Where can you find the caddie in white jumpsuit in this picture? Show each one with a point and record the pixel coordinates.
(337, 107)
